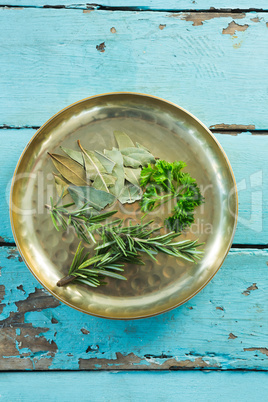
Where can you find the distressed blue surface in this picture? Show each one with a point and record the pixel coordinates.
(248, 157)
(223, 327)
(150, 4)
(153, 386)
(49, 59)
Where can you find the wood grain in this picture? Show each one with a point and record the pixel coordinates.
(248, 157)
(223, 327)
(114, 387)
(52, 57)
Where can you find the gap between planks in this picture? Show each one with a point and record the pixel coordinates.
(99, 7)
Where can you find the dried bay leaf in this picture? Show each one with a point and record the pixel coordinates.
(142, 147)
(95, 169)
(135, 157)
(130, 194)
(105, 161)
(133, 175)
(118, 170)
(109, 181)
(69, 169)
(98, 199)
(75, 155)
(123, 140)
(61, 185)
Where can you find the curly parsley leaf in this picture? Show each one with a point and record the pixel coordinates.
(165, 181)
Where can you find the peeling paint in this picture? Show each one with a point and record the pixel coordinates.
(2, 292)
(133, 362)
(255, 19)
(232, 336)
(113, 30)
(249, 289)
(101, 47)
(199, 17)
(219, 308)
(28, 344)
(233, 127)
(87, 11)
(54, 321)
(85, 331)
(162, 26)
(20, 287)
(262, 350)
(234, 27)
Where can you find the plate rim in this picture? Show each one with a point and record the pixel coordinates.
(141, 95)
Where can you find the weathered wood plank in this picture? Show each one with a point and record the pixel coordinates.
(147, 4)
(134, 387)
(52, 57)
(246, 152)
(224, 327)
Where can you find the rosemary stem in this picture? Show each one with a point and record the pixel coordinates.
(65, 280)
(65, 213)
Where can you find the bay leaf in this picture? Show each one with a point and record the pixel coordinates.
(118, 170)
(133, 175)
(130, 194)
(141, 146)
(75, 155)
(98, 199)
(94, 168)
(123, 140)
(105, 161)
(69, 169)
(109, 181)
(61, 185)
(135, 157)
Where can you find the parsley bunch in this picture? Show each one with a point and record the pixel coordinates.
(165, 181)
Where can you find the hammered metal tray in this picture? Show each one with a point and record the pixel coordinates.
(171, 133)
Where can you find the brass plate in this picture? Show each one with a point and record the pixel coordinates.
(170, 133)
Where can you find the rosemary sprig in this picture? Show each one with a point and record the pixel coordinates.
(122, 245)
(84, 220)
(91, 271)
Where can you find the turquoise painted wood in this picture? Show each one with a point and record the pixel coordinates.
(246, 152)
(50, 58)
(224, 327)
(149, 4)
(98, 387)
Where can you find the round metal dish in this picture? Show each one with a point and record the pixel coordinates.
(170, 133)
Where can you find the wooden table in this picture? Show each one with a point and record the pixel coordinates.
(211, 61)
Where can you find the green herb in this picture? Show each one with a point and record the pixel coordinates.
(121, 245)
(84, 220)
(91, 271)
(165, 181)
(95, 180)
